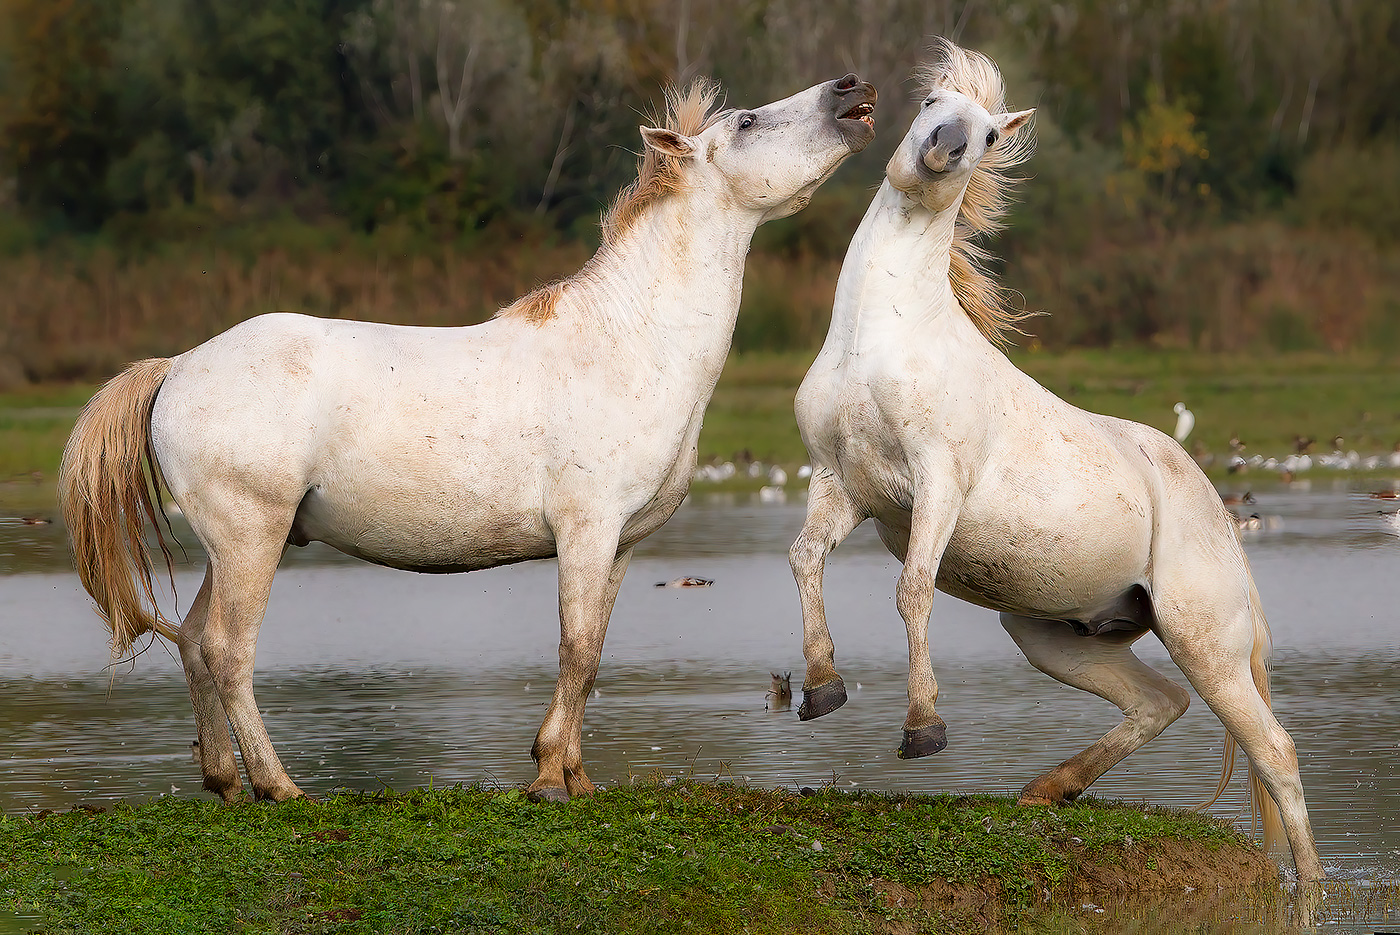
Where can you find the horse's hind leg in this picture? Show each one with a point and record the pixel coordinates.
(1106, 666)
(242, 568)
(216, 759)
(1219, 645)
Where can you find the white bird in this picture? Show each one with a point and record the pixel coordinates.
(1185, 422)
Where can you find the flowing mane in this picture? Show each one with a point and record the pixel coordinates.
(688, 112)
(987, 197)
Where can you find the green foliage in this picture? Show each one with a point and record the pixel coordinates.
(142, 124)
(1357, 189)
(58, 129)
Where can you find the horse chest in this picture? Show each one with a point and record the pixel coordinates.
(866, 453)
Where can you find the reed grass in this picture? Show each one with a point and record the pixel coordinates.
(78, 311)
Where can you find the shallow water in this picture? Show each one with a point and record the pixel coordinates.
(368, 676)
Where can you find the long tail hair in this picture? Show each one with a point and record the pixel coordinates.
(1263, 809)
(108, 486)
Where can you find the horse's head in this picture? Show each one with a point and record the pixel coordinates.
(946, 142)
(772, 158)
(955, 132)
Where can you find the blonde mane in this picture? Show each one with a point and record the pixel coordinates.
(988, 194)
(688, 112)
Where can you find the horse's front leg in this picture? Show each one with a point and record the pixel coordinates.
(588, 565)
(931, 525)
(831, 515)
(576, 781)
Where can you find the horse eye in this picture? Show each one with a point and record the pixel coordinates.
(747, 121)
(991, 138)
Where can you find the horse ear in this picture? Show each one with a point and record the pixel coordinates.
(669, 142)
(1010, 123)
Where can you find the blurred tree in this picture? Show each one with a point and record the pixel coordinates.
(1161, 139)
(60, 122)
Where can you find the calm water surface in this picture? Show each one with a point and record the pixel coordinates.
(370, 677)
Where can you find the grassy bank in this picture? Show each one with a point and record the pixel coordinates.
(1265, 400)
(649, 858)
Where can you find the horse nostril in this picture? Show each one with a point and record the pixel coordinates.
(847, 83)
(956, 154)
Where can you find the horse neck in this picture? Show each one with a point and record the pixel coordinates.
(668, 289)
(895, 276)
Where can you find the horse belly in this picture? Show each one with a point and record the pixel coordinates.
(1032, 564)
(439, 531)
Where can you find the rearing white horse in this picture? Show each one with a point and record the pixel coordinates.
(1084, 531)
(565, 426)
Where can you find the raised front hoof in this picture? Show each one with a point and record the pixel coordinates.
(925, 741)
(548, 794)
(823, 699)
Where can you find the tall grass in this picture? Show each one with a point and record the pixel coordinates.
(79, 314)
(1259, 286)
(80, 317)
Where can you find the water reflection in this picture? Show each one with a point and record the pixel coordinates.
(370, 676)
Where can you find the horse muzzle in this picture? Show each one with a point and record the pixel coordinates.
(944, 148)
(853, 108)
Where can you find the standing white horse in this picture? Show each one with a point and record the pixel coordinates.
(1084, 531)
(565, 426)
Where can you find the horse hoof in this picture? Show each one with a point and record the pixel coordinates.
(925, 741)
(277, 793)
(548, 794)
(823, 699)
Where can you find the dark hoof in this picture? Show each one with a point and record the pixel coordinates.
(823, 699)
(925, 741)
(548, 794)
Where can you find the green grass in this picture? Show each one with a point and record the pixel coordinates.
(34, 424)
(1266, 400)
(650, 858)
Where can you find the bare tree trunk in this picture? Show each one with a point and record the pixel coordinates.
(956, 33)
(561, 153)
(1276, 125)
(1307, 111)
(454, 112)
(415, 83)
(682, 59)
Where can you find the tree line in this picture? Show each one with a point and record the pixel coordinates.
(141, 123)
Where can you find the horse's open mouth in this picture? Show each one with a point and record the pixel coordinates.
(861, 112)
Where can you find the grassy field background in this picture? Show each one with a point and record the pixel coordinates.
(1267, 401)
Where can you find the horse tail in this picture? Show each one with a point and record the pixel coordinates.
(105, 491)
(1263, 809)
